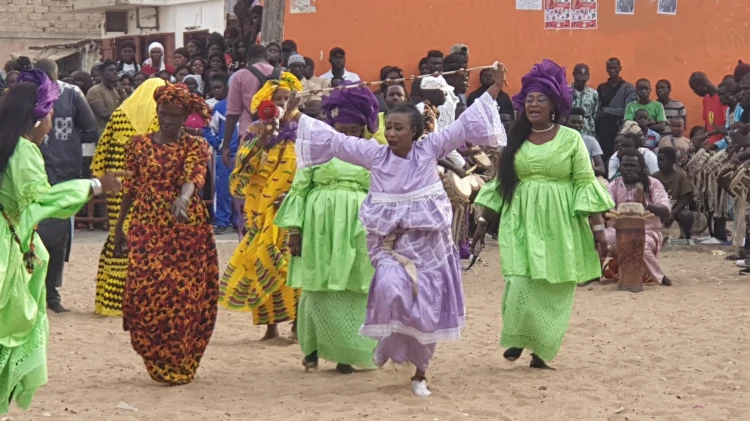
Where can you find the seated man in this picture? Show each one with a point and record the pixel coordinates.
(678, 187)
(655, 200)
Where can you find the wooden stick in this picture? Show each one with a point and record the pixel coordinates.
(403, 79)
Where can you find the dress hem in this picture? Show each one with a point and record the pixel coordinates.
(381, 331)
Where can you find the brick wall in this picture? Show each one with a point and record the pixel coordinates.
(37, 18)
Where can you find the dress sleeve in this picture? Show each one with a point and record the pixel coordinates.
(246, 163)
(292, 212)
(37, 199)
(133, 163)
(196, 162)
(490, 197)
(318, 143)
(590, 196)
(479, 125)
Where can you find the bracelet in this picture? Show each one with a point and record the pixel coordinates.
(96, 187)
(482, 220)
(598, 227)
(185, 198)
(295, 230)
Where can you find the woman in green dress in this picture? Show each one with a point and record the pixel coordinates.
(331, 264)
(26, 198)
(549, 203)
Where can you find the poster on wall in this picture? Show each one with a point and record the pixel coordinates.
(667, 7)
(303, 6)
(528, 4)
(557, 14)
(583, 14)
(625, 7)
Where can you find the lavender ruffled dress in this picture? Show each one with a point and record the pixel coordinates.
(407, 315)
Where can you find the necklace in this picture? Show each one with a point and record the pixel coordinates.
(544, 130)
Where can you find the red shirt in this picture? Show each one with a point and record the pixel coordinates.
(148, 70)
(714, 113)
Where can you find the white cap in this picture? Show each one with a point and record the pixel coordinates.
(436, 82)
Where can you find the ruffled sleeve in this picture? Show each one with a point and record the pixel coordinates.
(38, 200)
(246, 163)
(196, 160)
(590, 196)
(490, 197)
(480, 124)
(292, 212)
(318, 143)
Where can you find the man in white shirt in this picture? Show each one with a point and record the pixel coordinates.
(337, 58)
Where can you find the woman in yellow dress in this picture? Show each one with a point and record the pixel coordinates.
(255, 278)
(136, 116)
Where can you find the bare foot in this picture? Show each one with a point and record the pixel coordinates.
(272, 331)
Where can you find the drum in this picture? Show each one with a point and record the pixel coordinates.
(483, 162)
(725, 174)
(740, 182)
(630, 226)
(477, 182)
(458, 189)
(700, 223)
(672, 232)
(698, 161)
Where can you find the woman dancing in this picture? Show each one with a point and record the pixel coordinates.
(544, 170)
(332, 266)
(26, 198)
(136, 116)
(416, 297)
(255, 278)
(171, 294)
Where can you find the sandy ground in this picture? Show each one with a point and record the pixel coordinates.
(664, 354)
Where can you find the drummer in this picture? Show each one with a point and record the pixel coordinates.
(576, 122)
(623, 189)
(678, 187)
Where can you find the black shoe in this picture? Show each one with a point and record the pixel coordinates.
(537, 362)
(220, 230)
(512, 354)
(344, 368)
(58, 308)
(311, 361)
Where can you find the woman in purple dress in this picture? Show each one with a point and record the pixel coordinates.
(416, 297)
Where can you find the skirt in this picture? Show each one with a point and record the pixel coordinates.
(328, 322)
(536, 314)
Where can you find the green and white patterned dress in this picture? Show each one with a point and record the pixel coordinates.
(334, 270)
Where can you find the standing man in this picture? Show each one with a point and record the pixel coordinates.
(585, 97)
(337, 58)
(504, 103)
(434, 63)
(288, 48)
(244, 84)
(73, 124)
(672, 108)
(104, 98)
(614, 95)
(459, 81)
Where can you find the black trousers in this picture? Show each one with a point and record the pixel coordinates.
(55, 234)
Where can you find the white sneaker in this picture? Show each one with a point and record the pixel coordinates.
(419, 387)
(741, 263)
(690, 242)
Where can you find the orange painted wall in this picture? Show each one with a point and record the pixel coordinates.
(707, 35)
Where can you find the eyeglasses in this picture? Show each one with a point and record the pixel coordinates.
(540, 100)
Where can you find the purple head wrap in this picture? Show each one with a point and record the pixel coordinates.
(546, 78)
(352, 106)
(47, 93)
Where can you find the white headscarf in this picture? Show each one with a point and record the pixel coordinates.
(198, 79)
(163, 55)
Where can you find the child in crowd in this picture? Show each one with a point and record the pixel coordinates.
(651, 137)
(675, 140)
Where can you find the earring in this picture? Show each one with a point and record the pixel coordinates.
(37, 124)
(553, 116)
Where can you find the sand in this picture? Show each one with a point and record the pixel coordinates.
(674, 353)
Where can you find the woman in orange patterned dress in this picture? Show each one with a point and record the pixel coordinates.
(171, 292)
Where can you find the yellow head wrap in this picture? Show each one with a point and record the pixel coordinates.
(287, 81)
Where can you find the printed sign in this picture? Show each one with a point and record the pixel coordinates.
(528, 4)
(303, 6)
(584, 14)
(557, 14)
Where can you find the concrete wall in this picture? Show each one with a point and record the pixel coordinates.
(24, 23)
(704, 35)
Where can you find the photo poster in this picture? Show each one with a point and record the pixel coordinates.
(584, 14)
(557, 14)
(528, 4)
(624, 7)
(667, 7)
